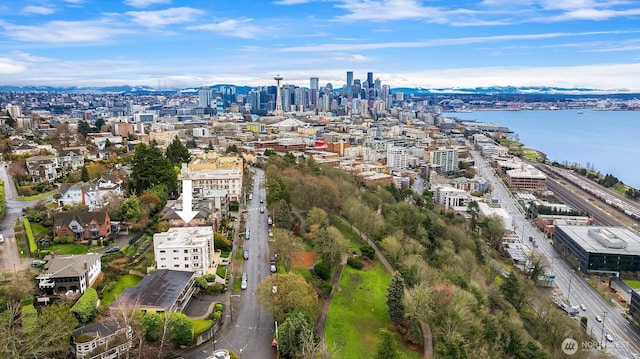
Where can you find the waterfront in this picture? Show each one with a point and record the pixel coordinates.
(608, 141)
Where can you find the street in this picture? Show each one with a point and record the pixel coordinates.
(251, 329)
(568, 280)
(9, 257)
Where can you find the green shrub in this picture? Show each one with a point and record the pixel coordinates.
(215, 316)
(368, 251)
(322, 270)
(201, 282)
(209, 277)
(63, 239)
(221, 242)
(355, 262)
(323, 288)
(85, 308)
(219, 307)
(234, 206)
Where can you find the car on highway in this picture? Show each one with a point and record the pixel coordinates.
(261, 200)
(583, 307)
(609, 337)
(245, 255)
(37, 262)
(598, 318)
(113, 249)
(261, 209)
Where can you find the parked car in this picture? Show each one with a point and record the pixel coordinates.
(113, 249)
(273, 268)
(243, 284)
(1, 238)
(37, 262)
(261, 209)
(245, 255)
(244, 277)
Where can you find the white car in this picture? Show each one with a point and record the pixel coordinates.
(1, 238)
(243, 284)
(598, 318)
(582, 306)
(609, 337)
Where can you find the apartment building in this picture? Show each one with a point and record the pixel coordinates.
(215, 172)
(188, 249)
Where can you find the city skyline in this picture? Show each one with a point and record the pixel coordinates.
(405, 43)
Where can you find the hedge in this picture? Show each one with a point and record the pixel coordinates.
(85, 308)
(2, 199)
(30, 237)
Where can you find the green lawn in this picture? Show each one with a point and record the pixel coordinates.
(201, 325)
(634, 284)
(358, 312)
(72, 248)
(126, 281)
(355, 242)
(39, 231)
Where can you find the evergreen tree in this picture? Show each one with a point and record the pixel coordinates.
(395, 299)
(511, 290)
(150, 168)
(387, 348)
(178, 153)
(84, 175)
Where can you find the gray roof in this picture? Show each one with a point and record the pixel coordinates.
(623, 241)
(160, 289)
(70, 265)
(103, 328)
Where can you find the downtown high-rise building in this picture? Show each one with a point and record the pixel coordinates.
(314, 86)
(369, 80)
(349, 89)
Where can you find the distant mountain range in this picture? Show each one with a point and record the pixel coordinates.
(418, 91)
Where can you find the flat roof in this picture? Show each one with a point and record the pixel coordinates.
(587, 238)
(160, 289)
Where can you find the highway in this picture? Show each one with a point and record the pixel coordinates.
(569, 281)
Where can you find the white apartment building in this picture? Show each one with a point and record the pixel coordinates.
(396, 156)
(450, 197)
(188, 249)
(446, 158)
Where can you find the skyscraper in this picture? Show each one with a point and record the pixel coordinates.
(313, 92)
(204, 97)
(369, 79)
(349, 83)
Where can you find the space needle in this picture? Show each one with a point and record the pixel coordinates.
(279, 111)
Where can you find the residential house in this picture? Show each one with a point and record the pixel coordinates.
(43, 168)
(82, 225)
(73, 273)
(162, 291)
(185, 249)
(70, 160)
(105, 339)
(95, 194)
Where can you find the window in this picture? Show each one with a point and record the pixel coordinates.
(186, 251)
(195, 250)
(175, 251)
(186, 265)
(176, 266)
(195, 257)
(162, 251)
(186, 258)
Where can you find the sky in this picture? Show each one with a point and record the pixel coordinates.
(170, 44)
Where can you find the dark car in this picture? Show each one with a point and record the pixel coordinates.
(113, 249)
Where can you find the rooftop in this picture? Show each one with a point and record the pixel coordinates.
(606, 240)
(70, 265)
(160, 289)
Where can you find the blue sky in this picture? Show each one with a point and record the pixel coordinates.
(405, 43)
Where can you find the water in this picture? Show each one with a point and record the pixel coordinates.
(607, 141)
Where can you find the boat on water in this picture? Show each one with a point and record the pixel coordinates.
(580, 112)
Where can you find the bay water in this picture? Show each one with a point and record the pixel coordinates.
(607, 141)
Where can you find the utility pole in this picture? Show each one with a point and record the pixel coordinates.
(604, 316)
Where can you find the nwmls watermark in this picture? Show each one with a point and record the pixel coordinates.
(571, 346)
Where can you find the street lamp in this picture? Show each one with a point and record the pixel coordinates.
(569, 293)
(604, 316)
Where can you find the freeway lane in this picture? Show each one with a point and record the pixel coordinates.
(568, 281)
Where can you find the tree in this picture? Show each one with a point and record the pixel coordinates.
(330, 245)
(150, 168)
(130, 209)
(85, 308)
(232, 149)
(177, 153)
(50, 336)
(395, 299)
(84, 128)
(285, 293)
(84, 176)
(317, 217)
(387, 348)
(282, 216)
(292, 333)
(511, 290)
(181, 329)
(283, 245)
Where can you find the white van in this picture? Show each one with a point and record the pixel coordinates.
(246, 234)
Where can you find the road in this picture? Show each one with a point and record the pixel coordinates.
(251, 330)
(9, 257)
(567, 280)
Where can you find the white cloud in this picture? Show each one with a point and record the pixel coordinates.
(385, 10)
(40, 10)
(160, 18)
(238, 28)
(292, 2)
(351, 58)
(145, 3)
(63, 31)
(10, 66)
